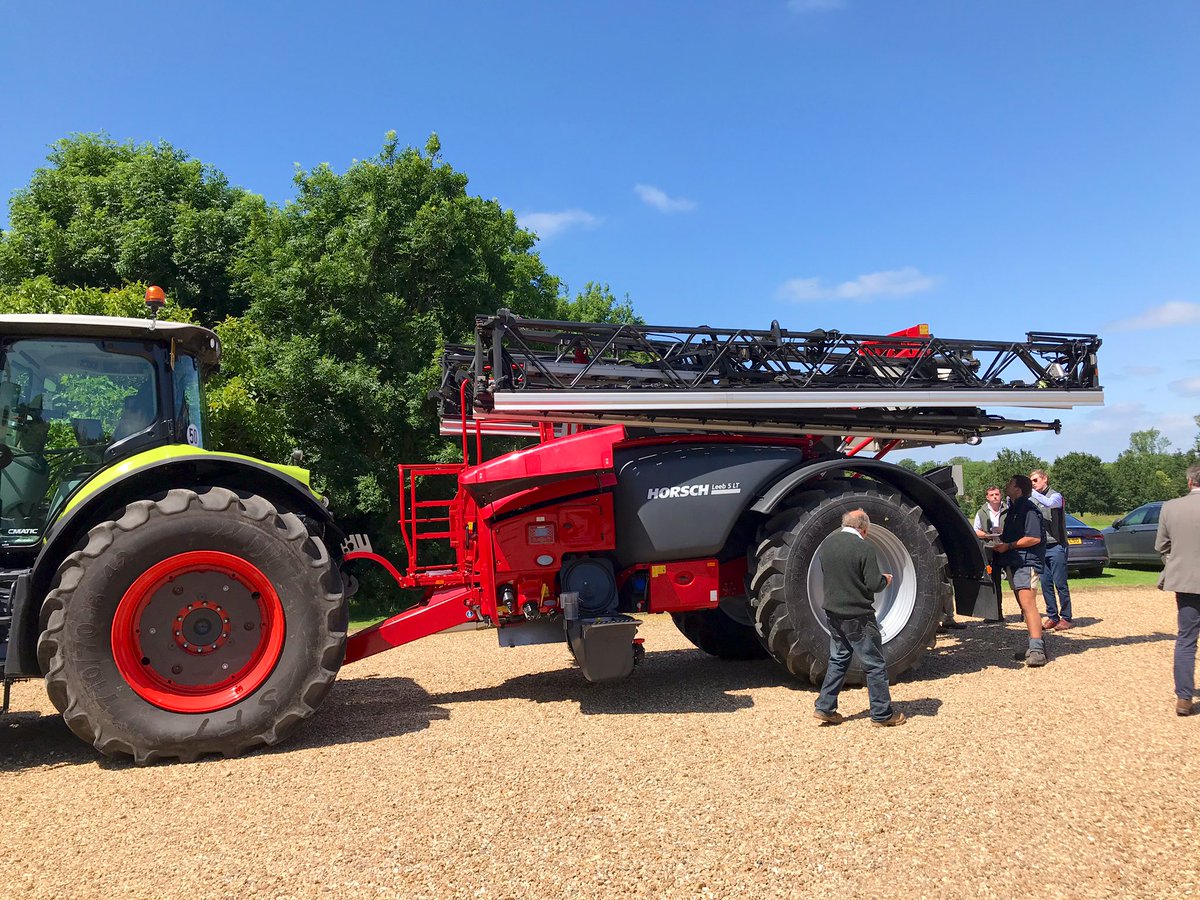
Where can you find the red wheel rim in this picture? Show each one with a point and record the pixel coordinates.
(198, 632)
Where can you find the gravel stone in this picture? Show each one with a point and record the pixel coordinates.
(454, 768)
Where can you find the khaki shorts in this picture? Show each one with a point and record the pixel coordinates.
(1025, 578)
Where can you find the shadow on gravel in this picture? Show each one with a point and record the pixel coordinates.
(356, 710)
(672, 681)
(29, 740)
(366, 709)
(990, 644)
(667, 682)
(925, 707)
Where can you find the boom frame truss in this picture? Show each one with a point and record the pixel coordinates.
(909, 386)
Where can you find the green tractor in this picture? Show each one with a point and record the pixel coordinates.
(176, 600)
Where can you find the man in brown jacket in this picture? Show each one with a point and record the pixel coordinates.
(1178, 541)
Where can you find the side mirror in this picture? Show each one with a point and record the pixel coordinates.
(1118, 523)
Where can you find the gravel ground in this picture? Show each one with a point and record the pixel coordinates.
(454, 768)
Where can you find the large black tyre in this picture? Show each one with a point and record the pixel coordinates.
(720, 634)
(275, 579)
(786, 585)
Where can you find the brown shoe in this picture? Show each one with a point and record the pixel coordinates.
(897, 718)
(1183, 707)
(1048, 622)
(824, 718)
(1062, 625)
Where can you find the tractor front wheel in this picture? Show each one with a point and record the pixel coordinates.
(201, 622)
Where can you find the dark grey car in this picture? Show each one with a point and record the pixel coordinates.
(1087, 552)
(1130, 539)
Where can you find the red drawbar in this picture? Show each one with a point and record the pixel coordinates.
(444, 609)
(166, 606)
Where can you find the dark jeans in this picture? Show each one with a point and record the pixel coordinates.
(1185, 645)
(1054, 578)
(861, 636)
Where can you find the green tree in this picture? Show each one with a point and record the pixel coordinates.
(1147, 470)
(104, 214)
(1084, 482)
(357, 284)
(1010, 462)
(597, 303)
(1150, 442)
(41, 295)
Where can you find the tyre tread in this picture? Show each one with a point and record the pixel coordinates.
(138, 515)
(768, 561)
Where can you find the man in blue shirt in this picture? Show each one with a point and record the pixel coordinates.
(1021, 552)
(1054, 579)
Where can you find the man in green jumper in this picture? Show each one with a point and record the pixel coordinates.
(852, 579)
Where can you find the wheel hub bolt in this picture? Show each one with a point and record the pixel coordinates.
(175, 670)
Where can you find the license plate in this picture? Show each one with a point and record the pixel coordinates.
(1074, 540)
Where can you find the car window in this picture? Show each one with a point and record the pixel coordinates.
(1137, 517)
(1152, 515)
(1073, 522)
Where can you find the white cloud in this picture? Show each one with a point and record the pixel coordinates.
(1166, 315)
(894, 283)
(659, 199)
(806, 6)
(1188, 387)
(548, 224)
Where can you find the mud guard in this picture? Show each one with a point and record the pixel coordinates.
(214, 470)
(974, 594)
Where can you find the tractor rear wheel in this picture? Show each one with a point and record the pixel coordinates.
(200, 622)
(787, 582)
(726, 632)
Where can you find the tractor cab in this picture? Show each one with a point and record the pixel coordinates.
(80, 393)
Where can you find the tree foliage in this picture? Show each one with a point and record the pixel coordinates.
(1148, 471)
(103, 214)
(42, 295)
(597, 303)
(356, 286)
(1084, 482)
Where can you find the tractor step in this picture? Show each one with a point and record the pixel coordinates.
(7, 582)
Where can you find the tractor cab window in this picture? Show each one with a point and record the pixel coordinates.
(189, 412)
(64, 405)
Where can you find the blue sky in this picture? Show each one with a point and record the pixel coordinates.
(988, 168)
